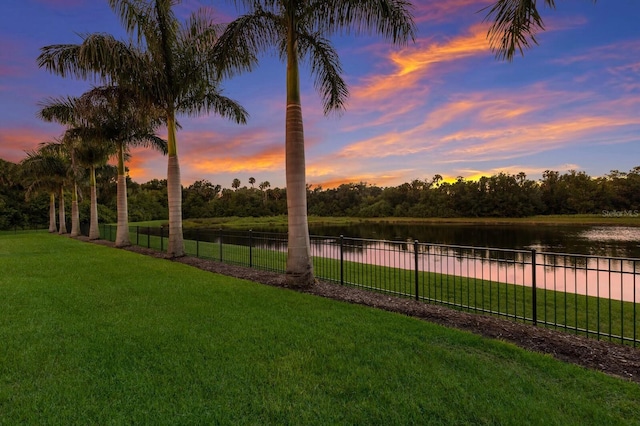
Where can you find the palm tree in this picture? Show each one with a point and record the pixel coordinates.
(514, 26)
(299, 29)
(76, 173)
(171, 67)
(118, 118)
(91, 154)
(48, 167)
(63, 111)
(37, 181)
(263, 187)
(107, 120)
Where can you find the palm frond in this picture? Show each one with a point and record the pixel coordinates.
(61, 110)
(515, 25)
(214, 101)
(325, 66)
(391, 19)
(238, 47)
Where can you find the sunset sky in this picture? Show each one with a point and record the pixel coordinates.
(443, 105)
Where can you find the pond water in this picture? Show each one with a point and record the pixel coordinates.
(460, 249)
(609, 241)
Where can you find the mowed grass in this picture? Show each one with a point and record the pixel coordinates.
(96, 335)
(597, 317)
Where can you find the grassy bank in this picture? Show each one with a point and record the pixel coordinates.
(94, 335)
(575, 313)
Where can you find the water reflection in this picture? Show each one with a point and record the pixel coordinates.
(486, 252)
(613, 278)
(613, 241)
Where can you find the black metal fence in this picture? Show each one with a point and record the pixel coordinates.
(590, 295)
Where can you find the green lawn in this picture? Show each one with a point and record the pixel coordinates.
(613, 320)
(95, 335)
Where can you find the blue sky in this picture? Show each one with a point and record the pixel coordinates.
(442, 105)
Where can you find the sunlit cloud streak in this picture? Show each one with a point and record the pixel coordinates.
(15, 141)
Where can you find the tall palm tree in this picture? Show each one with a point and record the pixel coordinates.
(66, 111)
(106, 120)
(36, 181)
(63, 112)
(76, 173)
(170, 67)
(48, 168)
(91, 154)
(299, 30)
(515, 24)
(118, 117)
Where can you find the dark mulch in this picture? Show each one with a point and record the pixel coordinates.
(609, 357)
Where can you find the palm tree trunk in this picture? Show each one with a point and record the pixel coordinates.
(175, 248)
(94, 230)
(122, 230)
(61, 215)
(299, 265)
(75, 213)
(52, 213)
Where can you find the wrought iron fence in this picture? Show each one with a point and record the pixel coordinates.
(590, 295)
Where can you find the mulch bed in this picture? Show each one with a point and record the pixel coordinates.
(612, 358)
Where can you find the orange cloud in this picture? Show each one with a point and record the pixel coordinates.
(483, 126)
(405, 89)
(14, 142)
(378, 180)
(513, 141)
(268, 159)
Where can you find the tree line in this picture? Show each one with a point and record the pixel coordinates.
(499, 195)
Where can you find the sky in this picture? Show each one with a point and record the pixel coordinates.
(442, 105)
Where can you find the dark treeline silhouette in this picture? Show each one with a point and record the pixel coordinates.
(500, 195)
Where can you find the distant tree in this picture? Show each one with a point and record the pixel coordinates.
(235, 184)
(263, 187)
(252, 181)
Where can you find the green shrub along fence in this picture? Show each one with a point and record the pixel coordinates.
(589, 295)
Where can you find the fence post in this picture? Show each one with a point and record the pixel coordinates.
(148, 237)
(342, 259)
(250, 248)
(161, 238)
(220, 244)
(197, 242)
(534, 294)
(415, 256)
(138, 235)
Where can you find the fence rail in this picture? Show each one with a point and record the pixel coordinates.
(589, 295)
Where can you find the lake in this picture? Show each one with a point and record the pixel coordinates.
(461, 250)
(610, 241)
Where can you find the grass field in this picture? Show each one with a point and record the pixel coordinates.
(599, 317)
(95, 335)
